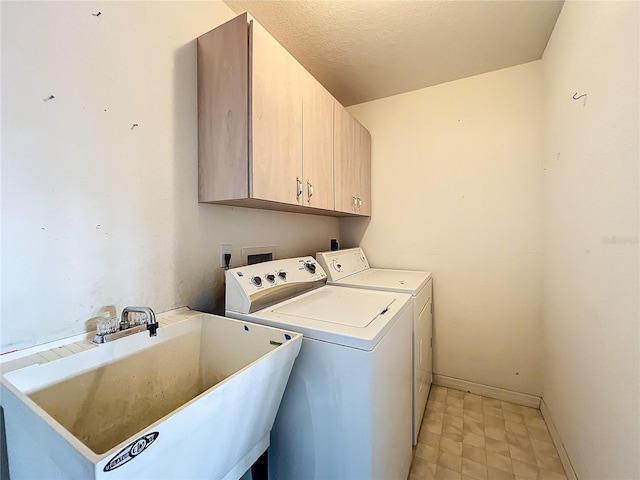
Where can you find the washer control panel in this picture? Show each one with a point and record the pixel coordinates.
(280, 278)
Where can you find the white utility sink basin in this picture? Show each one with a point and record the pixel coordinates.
(197, 401)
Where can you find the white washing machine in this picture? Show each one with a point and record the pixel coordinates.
(350, 268)
(346, 410)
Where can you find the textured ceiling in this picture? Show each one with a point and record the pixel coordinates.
(361, 50)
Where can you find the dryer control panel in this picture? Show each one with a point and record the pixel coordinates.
(342, 263)
(257, 286)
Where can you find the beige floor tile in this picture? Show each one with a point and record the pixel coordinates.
(496, 446)
(543, 448)
(520, 441)
(453, 434)
(495, 433)
(491, 402)
(535, 422)
(477, 454)
(524, 470)
(437, 390)
(473, 407)
(451, 446)
(492, 412)
(539, 434)
(453, 393)
(430, 414)
(455, 401)
(473, 415)
(455, 411)
(499, 461)
(530, 412)
(429, 438)
(427, 453)
(523, 454)
(513, 417)
(450, 461)
(491, 421)
(422, 469)
(473, 439)
(550, 463)
(473, 427)
(519, 428)
(511, 407)
(547, 475)
(472, 398)
(496, 474)
(452, 420)
(443, 473)
(475, 470)
(433, 422)
(436, 406)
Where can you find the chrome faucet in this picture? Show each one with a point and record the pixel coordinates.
(152, 324)
(125, 328)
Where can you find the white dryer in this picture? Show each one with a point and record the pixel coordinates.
(350, 268)
(345, 413)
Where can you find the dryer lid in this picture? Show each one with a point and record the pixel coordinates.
(406, 281)
(347, 307)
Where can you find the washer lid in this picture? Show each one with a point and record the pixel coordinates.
(406, 281)
(343, 307)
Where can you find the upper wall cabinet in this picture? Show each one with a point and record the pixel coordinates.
(265, 125)
(352, 164)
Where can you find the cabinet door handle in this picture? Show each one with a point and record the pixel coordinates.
(359, 203)
(310, 190)
(299, 188)
(355, 202)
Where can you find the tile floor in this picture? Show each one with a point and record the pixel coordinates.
(465, 436)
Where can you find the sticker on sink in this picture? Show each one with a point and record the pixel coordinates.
(131, 451)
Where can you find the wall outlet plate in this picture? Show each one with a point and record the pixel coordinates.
(224, 249)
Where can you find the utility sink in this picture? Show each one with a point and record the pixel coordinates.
(196, 401)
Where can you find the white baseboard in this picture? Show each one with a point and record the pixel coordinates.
(487, 391)
(557, 441)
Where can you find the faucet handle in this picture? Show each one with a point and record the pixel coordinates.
(153, 329)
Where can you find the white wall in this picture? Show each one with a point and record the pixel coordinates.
(95, 213)
(590, 236)
(456, 190)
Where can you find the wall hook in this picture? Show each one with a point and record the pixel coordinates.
(578, 97)
(97, 14)
(50, 97)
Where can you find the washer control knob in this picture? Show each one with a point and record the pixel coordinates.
(257, 281)
(337, 266)
(271, 278)
(310, 267)
(282, 274)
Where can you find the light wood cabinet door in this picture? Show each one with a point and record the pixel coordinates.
(317, 144)
(276, 120)
(352, 164)
(363, 160)
(223, 123)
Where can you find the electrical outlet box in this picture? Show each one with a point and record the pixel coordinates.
(224, 249)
